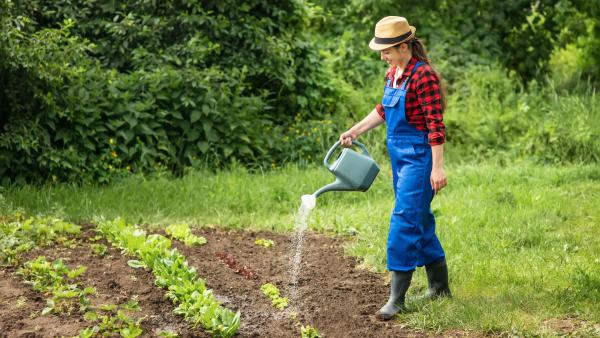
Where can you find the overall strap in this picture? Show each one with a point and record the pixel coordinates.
(417, 65)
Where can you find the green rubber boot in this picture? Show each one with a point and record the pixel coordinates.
(437, 278)
(399, 285)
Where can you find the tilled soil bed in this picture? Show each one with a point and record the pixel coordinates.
(114, 280)
(334, 296)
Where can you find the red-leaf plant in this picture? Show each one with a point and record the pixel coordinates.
(234, 265)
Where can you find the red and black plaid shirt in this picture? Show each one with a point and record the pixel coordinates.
(423, 105)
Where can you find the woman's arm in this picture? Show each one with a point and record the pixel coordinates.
(438, 175)
(369, 122)
(429, 95)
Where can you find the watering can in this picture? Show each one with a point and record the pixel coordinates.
(353, 171)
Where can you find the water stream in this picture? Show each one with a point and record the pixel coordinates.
(308, 203)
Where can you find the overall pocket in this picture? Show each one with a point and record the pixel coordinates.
(391, 98)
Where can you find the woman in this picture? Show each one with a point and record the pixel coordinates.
(412, 108)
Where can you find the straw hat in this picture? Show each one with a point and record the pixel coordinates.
(391, 31)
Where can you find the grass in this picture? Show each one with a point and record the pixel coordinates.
(522, 241)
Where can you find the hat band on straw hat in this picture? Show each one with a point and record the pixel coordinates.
(387, 41)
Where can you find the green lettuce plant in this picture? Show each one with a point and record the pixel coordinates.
(183, 233)
(273, 293)
(112, 320)
(19, 234)
(195, 302)
(267, 243)
(57, 280)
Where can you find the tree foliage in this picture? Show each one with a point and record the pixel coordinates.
(94, 88)
(520, 34)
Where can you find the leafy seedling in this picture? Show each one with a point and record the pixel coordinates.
(167, 334)
(21, 301)
(183, 233)
(309, 332)
(273, 293)
(195, 302)
(112, 320)
(99, 249)
(19, 235)
(267, 243)
(57, 280)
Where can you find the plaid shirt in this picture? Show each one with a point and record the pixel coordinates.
(423, 105)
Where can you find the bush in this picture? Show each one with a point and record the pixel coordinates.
(94, 90)
(491, 115)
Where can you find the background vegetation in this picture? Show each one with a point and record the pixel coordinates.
(94, 89)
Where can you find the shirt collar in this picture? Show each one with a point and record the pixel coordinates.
(409, 67)
(407, 70)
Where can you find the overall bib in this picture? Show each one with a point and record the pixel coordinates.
(412, 240)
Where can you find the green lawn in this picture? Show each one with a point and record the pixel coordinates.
(522, 241)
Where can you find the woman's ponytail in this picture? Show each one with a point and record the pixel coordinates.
(418, 51)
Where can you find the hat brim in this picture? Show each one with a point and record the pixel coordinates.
(376, 46)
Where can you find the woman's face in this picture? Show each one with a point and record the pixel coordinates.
(395, 55)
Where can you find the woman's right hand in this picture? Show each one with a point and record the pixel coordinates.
(347, 137)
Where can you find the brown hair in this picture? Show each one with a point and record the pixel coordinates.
(418, 51)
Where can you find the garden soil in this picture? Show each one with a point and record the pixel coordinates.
(334, 295)
(114, 280)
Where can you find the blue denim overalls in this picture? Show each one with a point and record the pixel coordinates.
(411, 239)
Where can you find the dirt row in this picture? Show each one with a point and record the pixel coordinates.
(334, 296)
(115, 282)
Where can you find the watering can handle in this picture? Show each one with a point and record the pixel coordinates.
(337, 144)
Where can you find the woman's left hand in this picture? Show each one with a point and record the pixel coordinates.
(438, 179)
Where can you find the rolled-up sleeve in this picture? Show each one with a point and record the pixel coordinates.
(430, 99)
(380, 110)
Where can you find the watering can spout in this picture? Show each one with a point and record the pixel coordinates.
(338, 185)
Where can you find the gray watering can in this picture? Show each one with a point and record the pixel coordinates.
(353, 171)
